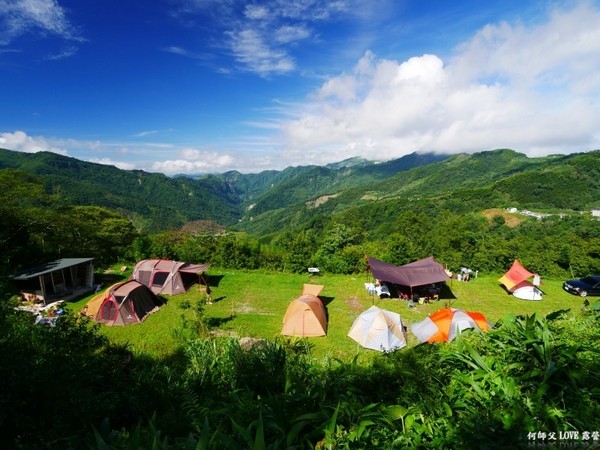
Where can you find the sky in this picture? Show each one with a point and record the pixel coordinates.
(208, 86)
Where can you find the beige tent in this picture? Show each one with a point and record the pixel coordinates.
(306, 316)
(92, 307)
(379, 329)
(312, 289)
(168, 277)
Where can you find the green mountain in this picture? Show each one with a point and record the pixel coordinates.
(152, 201)
(156, 202)
(298, 197)
(461, 183)
(271, 190)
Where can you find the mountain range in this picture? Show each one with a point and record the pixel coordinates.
(262, 203)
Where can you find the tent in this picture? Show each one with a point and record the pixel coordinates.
(306, 316)
(168, 277)
(127, 303)
(516, 281)
(91, 308)
(417, 273)
(526, 290)
(444, 324)
(378, 329)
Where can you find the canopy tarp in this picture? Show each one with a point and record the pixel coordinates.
(515, 275)
(416, 273)
(312, 289)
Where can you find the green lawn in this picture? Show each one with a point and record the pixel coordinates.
(253, 304)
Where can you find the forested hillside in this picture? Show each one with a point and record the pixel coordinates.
(152, 202)
(461, 184)
(271, 190)
(452, 207)
(155, 202)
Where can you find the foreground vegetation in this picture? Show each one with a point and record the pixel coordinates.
(531, 373)
(193, 384)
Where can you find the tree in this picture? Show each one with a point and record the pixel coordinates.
(330, 255)
(80, 231)
(23, 203)
(297, 248)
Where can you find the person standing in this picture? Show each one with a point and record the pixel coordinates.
(208, 295)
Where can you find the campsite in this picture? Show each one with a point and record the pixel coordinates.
(253, 304)
(221, 374)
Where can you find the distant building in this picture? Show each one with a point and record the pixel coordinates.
(535, 214)
(595, 212)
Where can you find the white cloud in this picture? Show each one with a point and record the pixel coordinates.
(251, 49)
(147, 133)
(194, 161)
(534, 89)
(256, 12)
(290, 33)
(19, 141)
(63, 54)
(262, 36)
(19, 17)
(119, 164)
(247, 154)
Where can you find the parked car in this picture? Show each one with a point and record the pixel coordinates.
(584, 286)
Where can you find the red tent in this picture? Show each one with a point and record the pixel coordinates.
(515, 275)
(127, 303)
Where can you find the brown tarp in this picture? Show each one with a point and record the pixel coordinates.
(312, 289)
(417, 273)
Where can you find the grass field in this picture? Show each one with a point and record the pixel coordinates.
(253, 304)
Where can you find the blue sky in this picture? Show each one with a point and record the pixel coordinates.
(197, 86)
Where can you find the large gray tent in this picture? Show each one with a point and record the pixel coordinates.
(164, 276)
(417, 273)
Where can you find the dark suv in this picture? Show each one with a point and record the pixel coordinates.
(583, 287)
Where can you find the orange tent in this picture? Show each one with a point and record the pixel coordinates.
(306, 316)
(444, 324)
